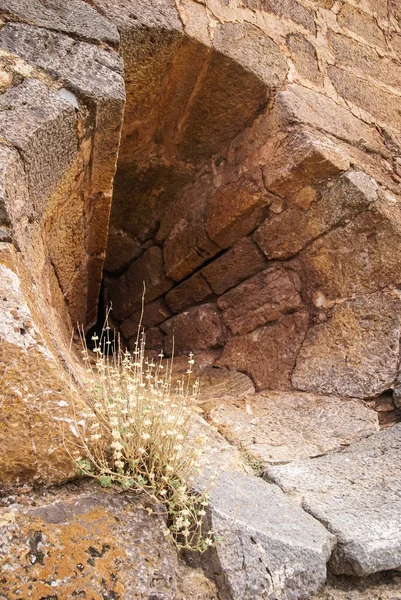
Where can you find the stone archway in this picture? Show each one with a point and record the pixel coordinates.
(261, 211)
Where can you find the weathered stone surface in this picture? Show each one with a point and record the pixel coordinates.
(154, 339)
(154, 313)
(197, 329)
(302, 105)
(355, 353)
(356, 494)
(362, 24)
(216, 385)
(126, 291)
(383, 586)
(150, 13)
(288, 9)
(262, 298)
(303, 158)
(243, 260)
(268, 354)
(279, 427)
(359, 258)
(122, 249)
(191, 291)
(235, 210)
(304, 56)
(36, 408)
(87, 70)
(86, 541)
(42, 126)
(187, 247)
(371, 98)
(77, 19)
(270, 547)
(253, 49)
(365, 60)
(314, 212)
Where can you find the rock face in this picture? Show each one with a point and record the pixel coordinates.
(356, 494)
(279, 427)
(355, 353)
(87, 541)
(271, 547)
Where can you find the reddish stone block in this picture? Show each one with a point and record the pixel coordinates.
(260, 299)
(189, 292)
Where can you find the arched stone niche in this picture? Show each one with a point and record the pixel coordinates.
(255, 184)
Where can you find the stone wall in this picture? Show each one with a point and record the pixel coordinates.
(253, 152)
(257, 188)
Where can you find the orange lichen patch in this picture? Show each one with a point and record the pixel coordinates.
(78, 558)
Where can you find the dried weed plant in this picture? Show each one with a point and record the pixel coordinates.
(136, 433)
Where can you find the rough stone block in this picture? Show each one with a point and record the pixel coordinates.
(154, 313)
(287, 9)
(76, 19)
(362, 24)
(365, 60)
(381, 104)
(271, 548)
(126, 291)
(89, 541)
(243, 260)
(314, 212)
(359, 258)
(356, 494)
(302, 105)
(305, 59)
(187, 248)
(122, 249)
(304, 158)
(268, 354)
(191, 291)
(235, 210)
(42, 127)
(262, 298)
(279, 427)
(355, 353)
(197, 329)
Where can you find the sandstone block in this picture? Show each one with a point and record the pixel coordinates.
(314, 212)
(191, 291)
(359, 258)
(279, 427)
(304, 158)
(355, 353)
(187, 247)
(268, 354)
(216, 385)
(262, 298)
(126, 291)
(235, 210)
(200, 328)
(77, 19)
(154, 313)
(243, 260)
(270, 547)
(356, 494)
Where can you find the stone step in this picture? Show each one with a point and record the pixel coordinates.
(279, 427)
(380, 586)
(356, 494)
(271, 548)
